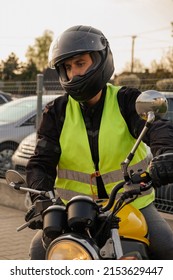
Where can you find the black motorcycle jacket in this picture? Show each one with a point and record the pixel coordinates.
(41, 169)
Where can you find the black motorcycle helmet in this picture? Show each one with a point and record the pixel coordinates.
(75, 41)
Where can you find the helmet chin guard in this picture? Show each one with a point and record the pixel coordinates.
(75, 41)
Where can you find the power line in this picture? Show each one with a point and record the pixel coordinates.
(153, 39)
(155, 30)
(144, 32)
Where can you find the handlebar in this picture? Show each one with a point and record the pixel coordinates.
(111, 200)
(141, 187)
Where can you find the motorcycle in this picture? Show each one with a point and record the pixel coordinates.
(88, 229)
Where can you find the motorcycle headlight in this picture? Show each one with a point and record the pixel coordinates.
(68, 250)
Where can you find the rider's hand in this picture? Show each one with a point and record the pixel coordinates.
(161, 170)
(37, 223)
(38, 207)
(30, 213)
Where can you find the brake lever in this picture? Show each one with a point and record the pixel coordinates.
(28, 223)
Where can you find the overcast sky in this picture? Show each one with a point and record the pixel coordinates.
(22, 21)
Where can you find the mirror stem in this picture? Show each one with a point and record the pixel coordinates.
(126, 162)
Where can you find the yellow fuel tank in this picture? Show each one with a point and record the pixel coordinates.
(132, 223)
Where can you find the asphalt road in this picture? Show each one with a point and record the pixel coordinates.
(13, 245)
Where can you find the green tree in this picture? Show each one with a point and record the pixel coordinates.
(137, 68)
(10, 67)
(29, 71)
(169, 59)
(165, 65)
(38, 53)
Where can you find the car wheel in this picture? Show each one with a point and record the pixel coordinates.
(6, 152)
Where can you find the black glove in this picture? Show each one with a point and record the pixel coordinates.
(38, 207)
(30, 213)
(161, 170)
(37, 223)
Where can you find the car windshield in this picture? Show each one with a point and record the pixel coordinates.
(15, 110)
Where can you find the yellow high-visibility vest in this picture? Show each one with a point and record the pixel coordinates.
(76, 171)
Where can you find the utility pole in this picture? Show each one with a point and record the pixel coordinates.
(132, 53)
(39, 98)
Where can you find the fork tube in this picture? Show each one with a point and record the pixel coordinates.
(117, 243)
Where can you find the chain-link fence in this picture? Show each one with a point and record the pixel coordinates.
(20, 88)
(164, 195)
(164, 199)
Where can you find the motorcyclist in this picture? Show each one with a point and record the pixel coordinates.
(86, 133)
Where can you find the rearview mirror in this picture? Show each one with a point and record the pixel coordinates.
(14, 178)
(151, 101)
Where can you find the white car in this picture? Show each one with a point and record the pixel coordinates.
(17, 120)
(23, 153)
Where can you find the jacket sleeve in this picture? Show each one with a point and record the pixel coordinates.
(159, 136)
(41, 168)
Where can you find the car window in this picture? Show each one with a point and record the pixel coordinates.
(17, 109)
(30, 121)
(1, 100)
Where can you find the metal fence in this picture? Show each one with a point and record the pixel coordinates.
(164, 199)
(164, 195)
(22, 88)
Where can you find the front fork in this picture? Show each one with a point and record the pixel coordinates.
(116, 243)
(113, 247)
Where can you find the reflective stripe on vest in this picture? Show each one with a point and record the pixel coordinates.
(114, 141)
(86, 178)
(67, 195)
